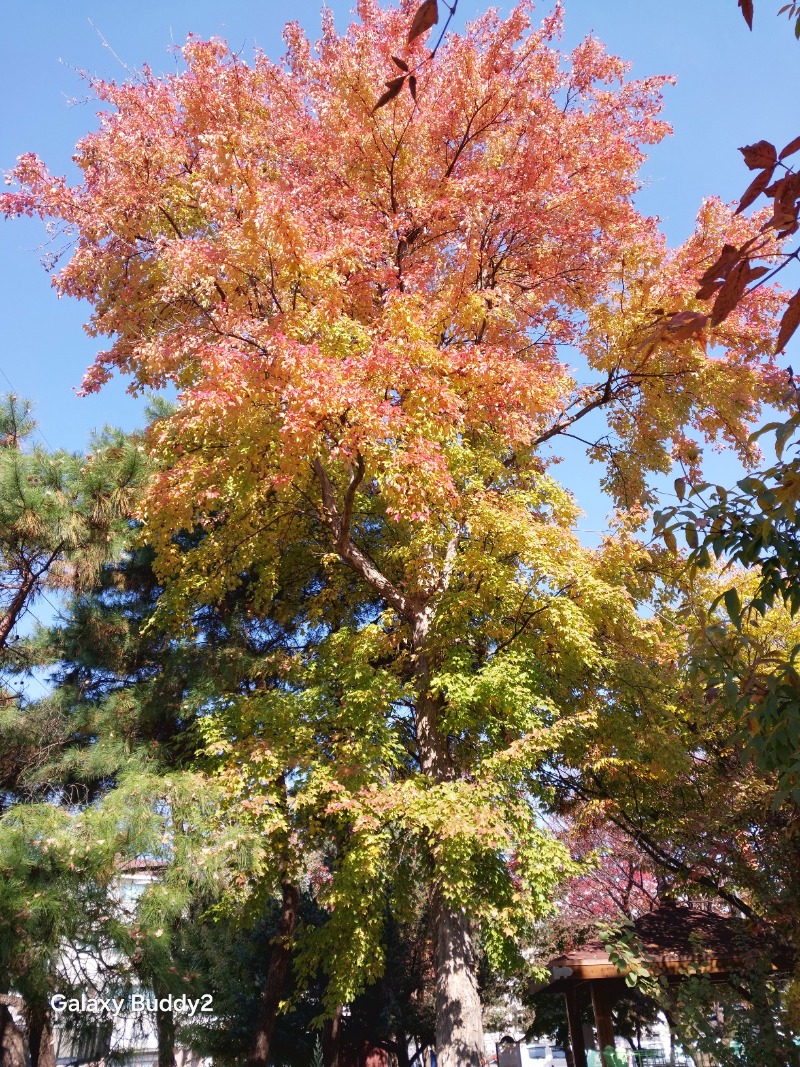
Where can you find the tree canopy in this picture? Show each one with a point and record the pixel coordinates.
(372, 316)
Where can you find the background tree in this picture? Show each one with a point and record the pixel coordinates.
(754, 524)
(127, 700)
(718, 828)
(61, 514)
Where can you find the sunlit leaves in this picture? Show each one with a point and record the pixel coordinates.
(367, 309)
(754, 526)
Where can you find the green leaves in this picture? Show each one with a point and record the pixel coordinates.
(755, 527)
(62, 515)
(733, 605)
(627, 954)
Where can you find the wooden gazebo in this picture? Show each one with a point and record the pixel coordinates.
(674, 940)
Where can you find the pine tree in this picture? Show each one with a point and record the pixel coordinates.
(125, 702)
(61, 514)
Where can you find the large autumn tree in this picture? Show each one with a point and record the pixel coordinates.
(373, 316)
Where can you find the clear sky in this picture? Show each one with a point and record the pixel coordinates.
(733, 87)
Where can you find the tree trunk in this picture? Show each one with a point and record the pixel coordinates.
(165, 1028)
(459, 1018)
(14, 609)
(40, 1038)
(280, 956)
(459, 1022)
(12, 1046)
(332, 1040)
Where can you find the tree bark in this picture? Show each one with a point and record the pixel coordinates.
(12, 1046)
(332, 1040)
(12, 613)
(459, 1016)
(165, 1028)
(40, 1037)
(459, 1021)
(280, 956)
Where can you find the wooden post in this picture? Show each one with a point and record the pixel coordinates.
(601, 1006)
(575, 1027)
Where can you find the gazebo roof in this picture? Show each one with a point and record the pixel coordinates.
(673, 938)
(675, 941)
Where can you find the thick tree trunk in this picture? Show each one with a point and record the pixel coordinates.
(459, 1018)
(459, 1023)
(165, 1028)
(280, 956)
(12, 1046)
(332, 1040)
(40, 1038)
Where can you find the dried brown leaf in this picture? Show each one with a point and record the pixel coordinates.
(685, 324)
(789, 322)
(395, 85)
(727, 258)
(755, 189)
(792, 147)
(707, 290)
(791, 188)
(679, 326)
(400, 64)
(730, 293)
(784, 216)
(777, 188)
(427, 15)
(759, 155)
(785, 192)
(747, 11)
(412, 87)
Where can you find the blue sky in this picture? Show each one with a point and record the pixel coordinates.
(733, 87)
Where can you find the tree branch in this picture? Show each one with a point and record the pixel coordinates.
(339, 526)
(604, 398)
